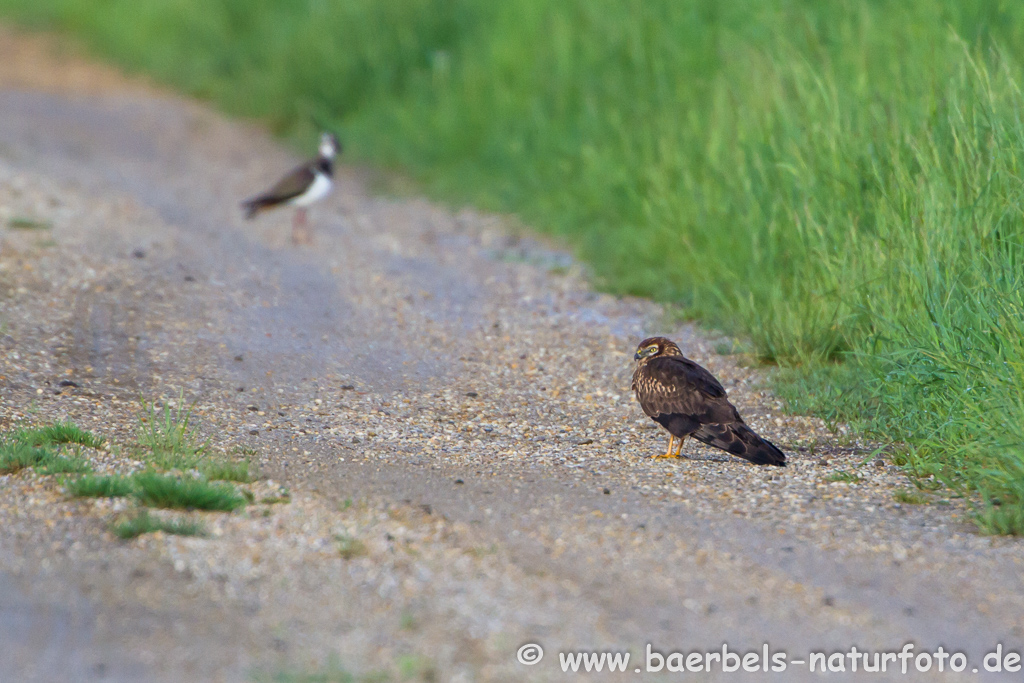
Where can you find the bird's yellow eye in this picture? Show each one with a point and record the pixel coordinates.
(646, 351)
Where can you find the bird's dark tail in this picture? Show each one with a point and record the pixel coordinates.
(255, 205)
(739, 439)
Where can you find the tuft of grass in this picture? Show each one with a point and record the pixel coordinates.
(223, 470)
(92, 486)
(60, 433)
(1003, 509)
(185, 493)
(56, 434)
(1002, 519)
(23, 223)
(168, 437)
(350, 547)
(40, 447)
(145, 523)
(842, 476)
(909, 497)
(65, 465)
(728, 348)
(283, 496)
(16, 456)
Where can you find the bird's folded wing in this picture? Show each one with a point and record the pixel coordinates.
(292, 185)
(672, 385)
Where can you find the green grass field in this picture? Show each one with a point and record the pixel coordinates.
(839, 182)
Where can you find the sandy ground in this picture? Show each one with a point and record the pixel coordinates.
(445, 400)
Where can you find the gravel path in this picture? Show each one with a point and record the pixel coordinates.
(447, 404)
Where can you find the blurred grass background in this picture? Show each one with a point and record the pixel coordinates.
(839, 182)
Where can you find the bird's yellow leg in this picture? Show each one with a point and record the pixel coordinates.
(668, 453)
(679, 448)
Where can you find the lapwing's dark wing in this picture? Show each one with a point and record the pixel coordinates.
(288, 187)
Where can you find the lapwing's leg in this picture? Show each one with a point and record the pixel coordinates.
(668, 453)
(295, 226)
(300, 229)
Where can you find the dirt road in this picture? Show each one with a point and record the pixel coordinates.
(448, 406)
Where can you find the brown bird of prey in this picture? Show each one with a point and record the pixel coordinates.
(304, 185)
(687, 400)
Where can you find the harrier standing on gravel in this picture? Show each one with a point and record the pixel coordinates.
(687, 400)
(304, 185)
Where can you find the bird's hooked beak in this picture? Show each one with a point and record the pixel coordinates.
(636, 356)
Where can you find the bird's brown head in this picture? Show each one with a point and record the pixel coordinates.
(652, 347)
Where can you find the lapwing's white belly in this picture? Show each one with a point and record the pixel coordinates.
(320, 188)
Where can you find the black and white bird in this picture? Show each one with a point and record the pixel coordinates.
(304, 185)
